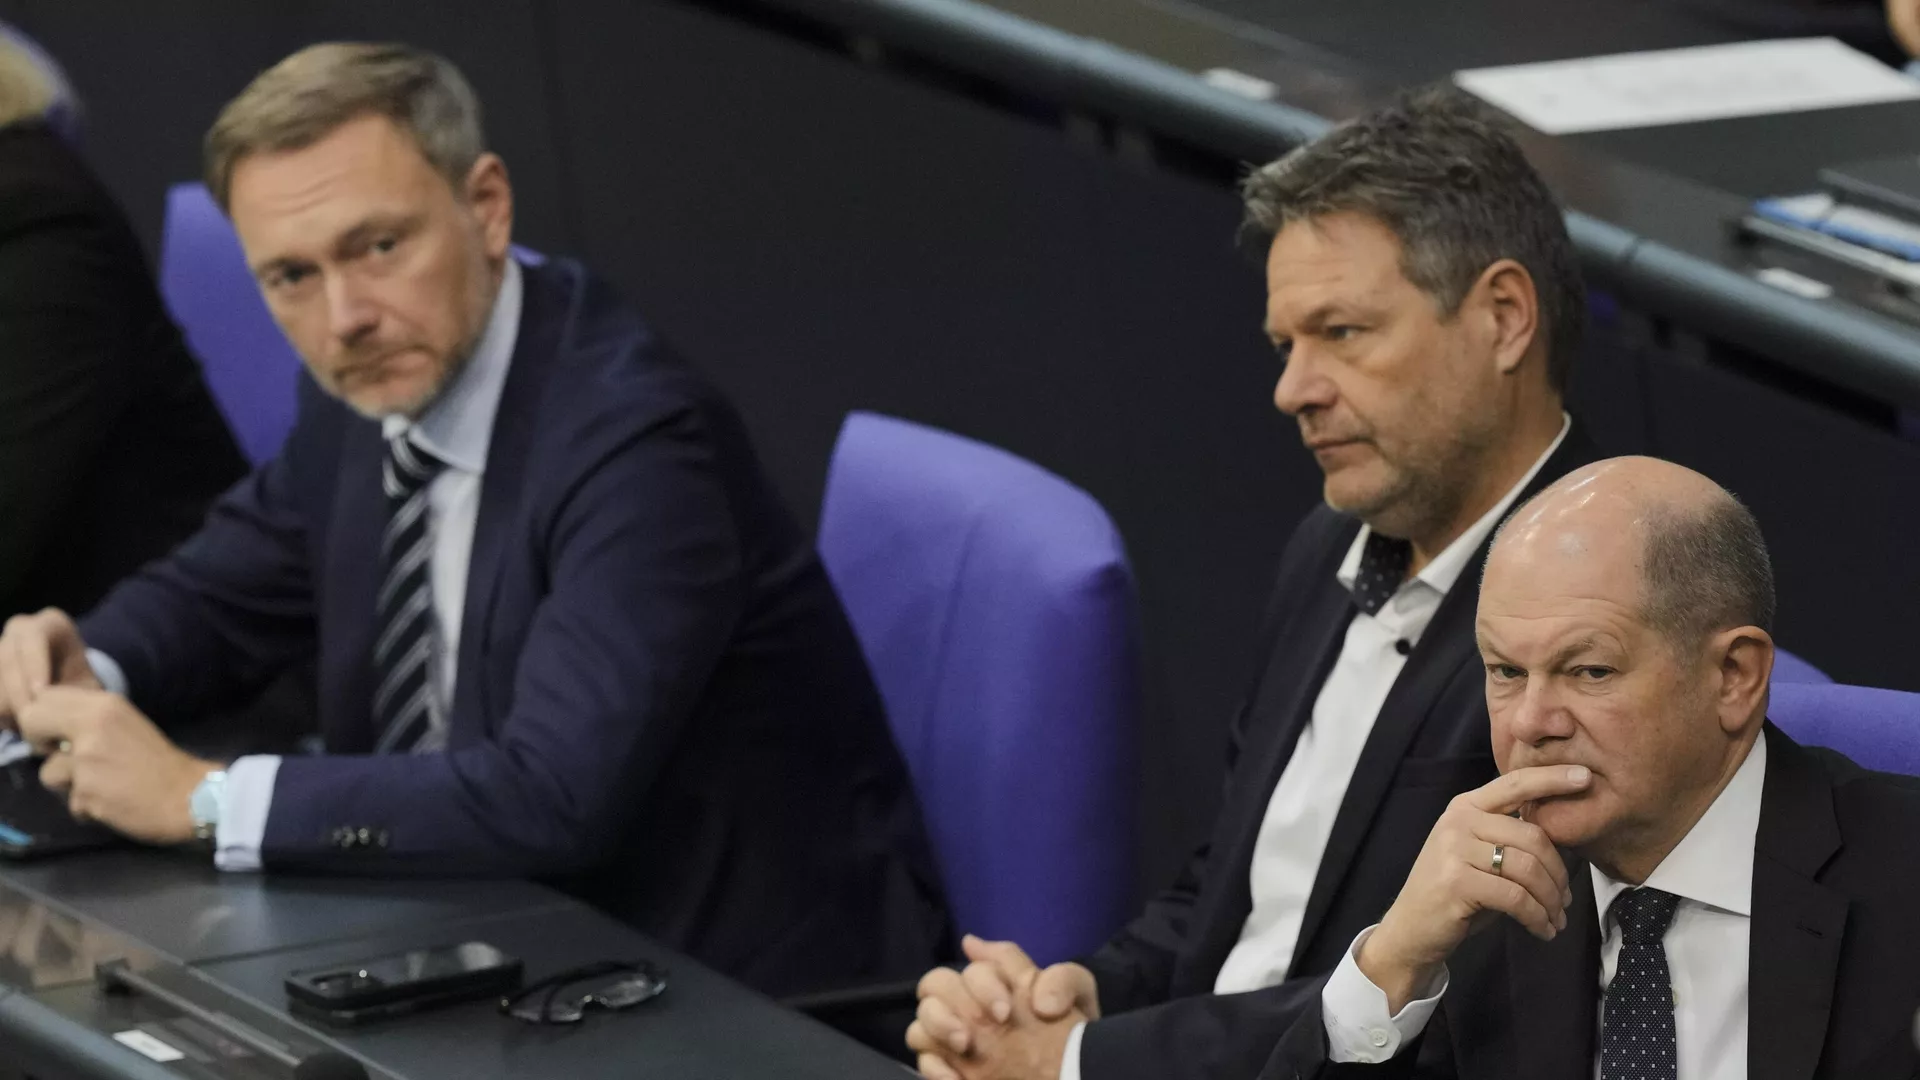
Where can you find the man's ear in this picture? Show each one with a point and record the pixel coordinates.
(1744, 659)
(489, 194)
(1512, 307)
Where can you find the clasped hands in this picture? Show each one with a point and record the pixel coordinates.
(1001, 1018)
(110, 761)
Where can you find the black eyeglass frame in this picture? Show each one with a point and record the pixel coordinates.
(513, 1005)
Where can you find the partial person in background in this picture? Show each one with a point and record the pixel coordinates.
(565, 628)
(1661, 885)
(1426, 308)
(111, 448)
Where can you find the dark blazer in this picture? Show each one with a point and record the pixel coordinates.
(110, 447)
(1834, 968)
(660, 705)
(1429, 742)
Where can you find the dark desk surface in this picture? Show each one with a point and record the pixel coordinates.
(238, 936)
(180, 907)
(1653, 204)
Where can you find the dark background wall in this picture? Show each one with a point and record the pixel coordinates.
(822, 234)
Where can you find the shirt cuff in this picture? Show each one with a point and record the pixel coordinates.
(1070, 1060)
(243, 820)
(107, 670)
(1355, 1011)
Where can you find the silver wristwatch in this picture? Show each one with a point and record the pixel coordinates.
(205, 806)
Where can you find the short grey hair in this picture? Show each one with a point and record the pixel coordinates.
(28, 90)
(302, 99)
(1443, 172)
(1706, 570)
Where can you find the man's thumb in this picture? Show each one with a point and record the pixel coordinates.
(1057, 991)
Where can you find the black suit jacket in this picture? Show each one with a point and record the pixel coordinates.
(110, 447)
(660, 705)
(1429, 742)
(1834, 963)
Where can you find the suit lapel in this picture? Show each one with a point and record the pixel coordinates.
(1298, 661)
(1445, 648)
(1794, 949)
(1556, 996)
(542, 323)
(353, 578)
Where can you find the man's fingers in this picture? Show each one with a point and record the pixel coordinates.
(1510, 792)
(944, 1026)
(1011, 959)
(1519, 866)
(1517, 836)
(988, 985)
(53, 716)
(933, 1068)
(13, 681)
(1511, 898)
(1061, 987)
(947, 985)
(35, 655)
(56, 773)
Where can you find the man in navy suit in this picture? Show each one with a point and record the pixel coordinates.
(564, 628)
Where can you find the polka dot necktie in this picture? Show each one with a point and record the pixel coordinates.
(1636, 1038)
(1383, 566)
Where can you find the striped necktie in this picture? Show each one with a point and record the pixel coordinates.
(403, 650)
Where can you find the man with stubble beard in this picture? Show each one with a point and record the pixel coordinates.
(1423, 299)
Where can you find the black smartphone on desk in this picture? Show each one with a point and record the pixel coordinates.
(397, 984)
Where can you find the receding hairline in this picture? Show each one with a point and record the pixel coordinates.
(1705, 532)
(312, 93)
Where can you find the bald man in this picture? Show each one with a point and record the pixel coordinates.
(1670, 888)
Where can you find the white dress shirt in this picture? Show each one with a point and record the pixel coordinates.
(1299, 820)
(456, 428)
(1710, 870)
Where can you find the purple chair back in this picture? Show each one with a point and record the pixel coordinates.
(1880, 729)
(1788, 668)
(250, 366)
(63, 115)
(995, 606)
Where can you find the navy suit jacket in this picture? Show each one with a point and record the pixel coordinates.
(660, 705)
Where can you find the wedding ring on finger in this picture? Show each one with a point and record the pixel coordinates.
(1499, 857)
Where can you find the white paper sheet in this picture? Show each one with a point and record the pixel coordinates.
(1677, 86)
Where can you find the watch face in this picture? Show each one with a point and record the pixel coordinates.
(205, 805)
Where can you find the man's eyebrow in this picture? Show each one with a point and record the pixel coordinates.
(363, 230)
(1573, 649)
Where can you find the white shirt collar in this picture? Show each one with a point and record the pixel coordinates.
(1713, 863)
(1446, 567)
(457, 427)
